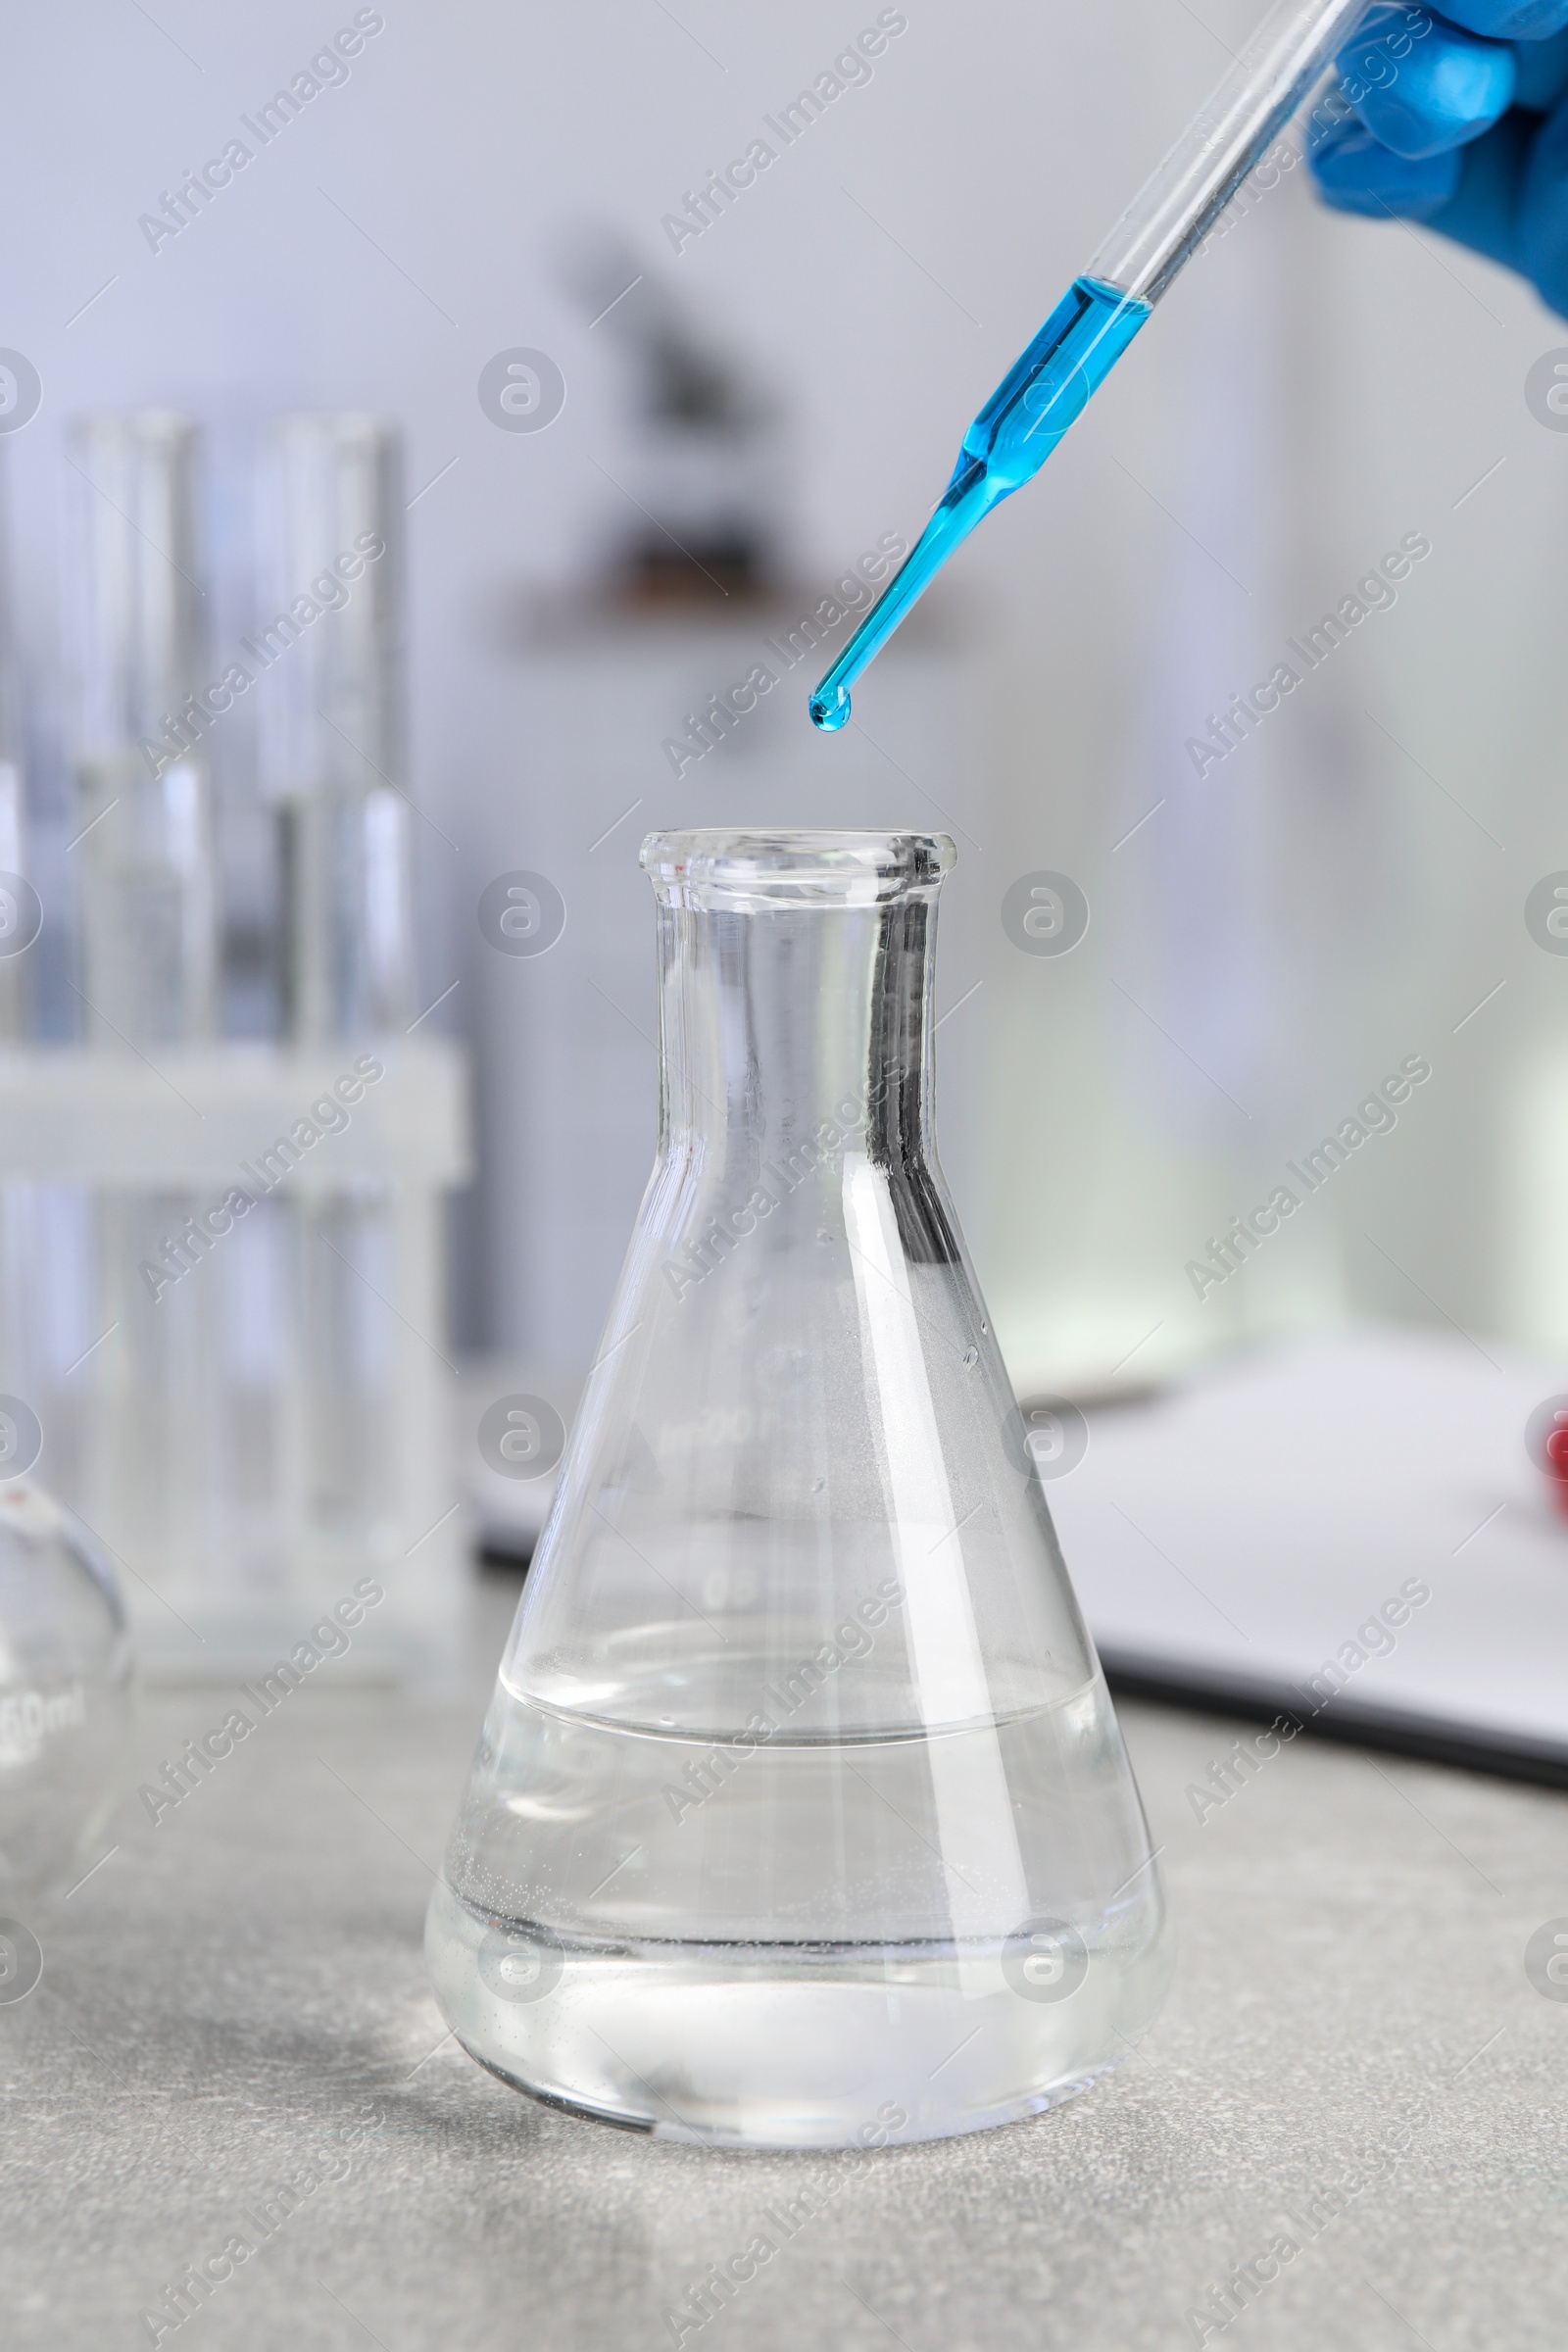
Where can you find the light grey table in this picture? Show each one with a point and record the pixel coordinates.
(1353, 2057)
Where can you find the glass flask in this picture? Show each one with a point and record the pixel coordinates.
(66, 1687)
(801, 1817)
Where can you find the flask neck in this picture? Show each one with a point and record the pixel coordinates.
(791, 1031)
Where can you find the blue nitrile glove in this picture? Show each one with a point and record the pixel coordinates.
(1460, 120)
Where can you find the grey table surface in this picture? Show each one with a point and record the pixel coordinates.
(1353, 2057)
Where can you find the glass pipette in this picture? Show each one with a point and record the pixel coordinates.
(1048, 385)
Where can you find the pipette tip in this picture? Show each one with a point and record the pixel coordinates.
(829, 711)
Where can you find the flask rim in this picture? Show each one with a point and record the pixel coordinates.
(722, 867)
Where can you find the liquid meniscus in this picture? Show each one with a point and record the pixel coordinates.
(1043, 392)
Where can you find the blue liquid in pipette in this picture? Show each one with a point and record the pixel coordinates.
(1045, 391)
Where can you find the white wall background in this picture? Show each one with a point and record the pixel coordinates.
(1339, 895)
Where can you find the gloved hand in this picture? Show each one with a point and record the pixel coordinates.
(1460, 120)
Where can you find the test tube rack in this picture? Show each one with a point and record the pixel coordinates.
(242, 1138)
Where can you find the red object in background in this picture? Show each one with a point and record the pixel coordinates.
(1556, 1452)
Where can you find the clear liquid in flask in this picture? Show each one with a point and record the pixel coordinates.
(770, 2020)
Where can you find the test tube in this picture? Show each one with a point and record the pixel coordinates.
(145, 834)
(19, 907)
(15, 1365)
(332, 758)
(149, 960)
(332, 751)
(15, 920)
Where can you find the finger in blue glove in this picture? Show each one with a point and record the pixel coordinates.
(1420, 85)
(1463, 122)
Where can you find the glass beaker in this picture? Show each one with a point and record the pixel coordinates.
(67, 1695)
(801, 1817)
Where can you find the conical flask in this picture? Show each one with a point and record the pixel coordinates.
(801, 1817)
